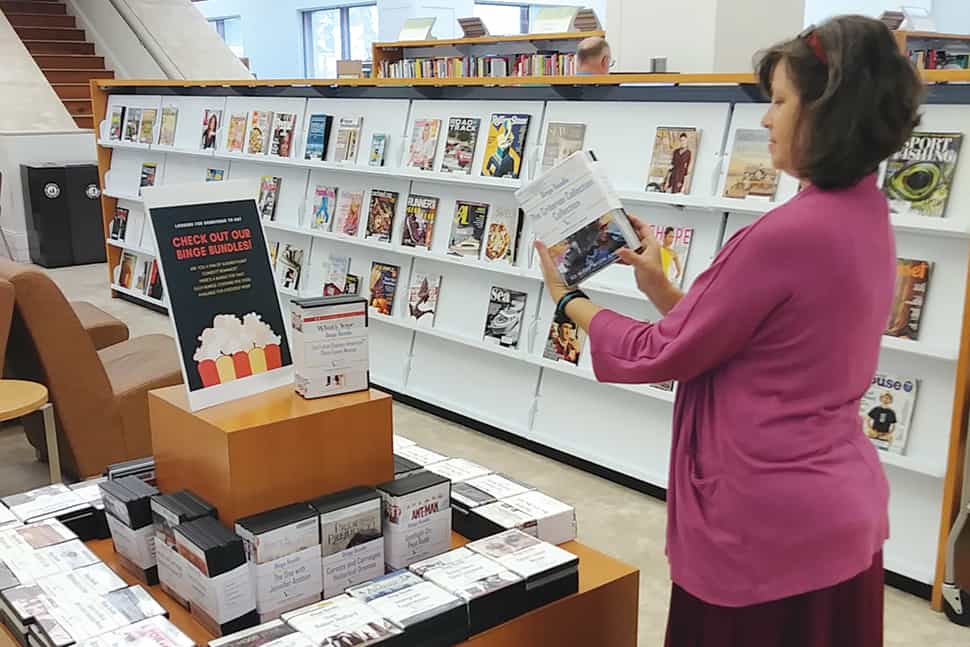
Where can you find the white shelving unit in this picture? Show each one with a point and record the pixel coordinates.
(622, 427)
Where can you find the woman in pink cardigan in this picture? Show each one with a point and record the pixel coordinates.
(777, 502)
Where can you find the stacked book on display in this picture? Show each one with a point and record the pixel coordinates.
(351, 538)
(57, 502)
(472, 494)
(417, 518)
(341, 620)
(128, 503)
(168, 512)
(143, 468)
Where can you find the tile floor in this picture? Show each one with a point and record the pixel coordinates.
(612, 519)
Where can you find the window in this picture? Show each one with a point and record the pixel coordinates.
(504, 18)
(230, 30)
(330, 35)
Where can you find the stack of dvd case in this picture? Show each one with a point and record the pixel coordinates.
(351, 539)
(168, 511)
(40, 550)
(420, 455)
(533, 512)
(492, 593)
(128, 503)
(429, 615)
(550, 572)
(417, 518)
(275, 633)
(95, 526)
(55, 501)
(472, 494)
(154, 632)
(7, 518)
(344, 620)
(222, 599)
(458, 469)
(404, 467)
(143, 468)
(283, 549)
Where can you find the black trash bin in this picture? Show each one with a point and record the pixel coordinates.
(63, 212)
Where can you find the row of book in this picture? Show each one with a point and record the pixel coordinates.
(939, 59)
(457, 67)
(139, 272)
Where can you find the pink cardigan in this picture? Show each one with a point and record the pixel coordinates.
(774, 490)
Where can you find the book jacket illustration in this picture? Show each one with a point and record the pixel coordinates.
(674, 250)
(281, 143)
(909, 298)
(378, 149)
(348, 139)
(230, 331)
(919, 177)
(460, 145)
(750, 172)
(116, 123)
(674, 157)
(424, 144)
(419, 221)
(562, 140)
(259, 132)
(565, 342)
(380, 216)
(269, 189)
(323, 208)
(468, 228)
(132, 124)
(506, 145)
(423, 298)
(318, 134)
(211, 122)
(383, 286)
(887, 411)
(149, 171)
(289, 266)
(237, 132)
(589, 249)
(146, 134)
(166, 135)
(348, 212)
(501, 231)
(503, 320)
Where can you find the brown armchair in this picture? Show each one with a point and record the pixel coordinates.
(100, 397)
(6, 315)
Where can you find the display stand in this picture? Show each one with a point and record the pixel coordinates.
(516, 390)
(270, 449)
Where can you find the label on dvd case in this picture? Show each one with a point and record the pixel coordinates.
(293, 577)
(350, 526)
(458, 469)
(410, 542)
(225, 597)
(280, 542)
(172, 569)
(137, 545)
(352, 566)
(342, 620)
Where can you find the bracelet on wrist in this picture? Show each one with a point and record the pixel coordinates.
(564, 301)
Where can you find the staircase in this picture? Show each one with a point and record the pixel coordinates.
(61, 51)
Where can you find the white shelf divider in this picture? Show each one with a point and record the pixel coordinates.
(132, 248)
(913, 465)
(920, 348)
(123, 196)
(139, 295)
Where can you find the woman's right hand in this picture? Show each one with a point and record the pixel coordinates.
(647, 264)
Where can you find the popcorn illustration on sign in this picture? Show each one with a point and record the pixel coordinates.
(235, 348)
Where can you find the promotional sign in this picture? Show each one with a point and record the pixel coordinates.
(215, 265)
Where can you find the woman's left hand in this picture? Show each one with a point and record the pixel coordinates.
(550, 274)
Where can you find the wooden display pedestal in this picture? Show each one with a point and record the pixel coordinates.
(270, 449)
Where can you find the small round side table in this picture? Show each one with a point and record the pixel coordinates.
(19, 398)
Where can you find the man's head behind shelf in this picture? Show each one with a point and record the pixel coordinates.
(593, 56)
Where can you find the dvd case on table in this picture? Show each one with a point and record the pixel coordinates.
(351, 538)
(274, 633)
(154, 632)
(420, 455)
(532, 512)
(430, 616)
(128, 504)
(143, 468)
(44, 502)
(492, 593)
(467, 496)
(96, 527)
(168, 511)
(330, 345)
(75, 619)
(401, 441)
(417, 518)
(404, 467)
(458, 469)
(343, 620)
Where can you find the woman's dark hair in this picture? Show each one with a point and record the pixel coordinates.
(860, 98)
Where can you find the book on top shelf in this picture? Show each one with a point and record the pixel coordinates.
(166, 134)
(505, 147)
(383, 286)
(562, 140)
(423, 298)
(576, 213)
(503, 319)
(419, 221)
(674, 158)
(258, 133)
(501, 235)
(378, 149)
(323, 208)
(211, 122)
(116, 123)
(132, 124)
(289, 266)
(236, 141)
(919, 177)
(349, 204)
(269, 189)
(424, 144)
(317, 136)
(468, 228)
(348, 139)
(335, 269)
(750, 171)
(460, 145)
(674, 250)
(887, 411)
(281, 142)
(146, 133)
(565, 342)
(380, 215)
(909, 298)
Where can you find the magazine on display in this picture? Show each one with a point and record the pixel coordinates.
(468, 228)
(419, 221)
(577, 214)
(501, 235)
(269, 188)
(460, 145)
(119, 223)
(674, 250)
(349, 206)
(562, 140)
(909, 298)
(565, 342)
(281, 143)
(342, 621)
(146, 134)
(148, 175)
(750, 171)
(318, 136)
(166, 134)
(887, 411)
(237, 132)
(919, 178)
(211, 122)
(274, 251)
(336, 275)
(289, 266)
(116, 123)
(503, 320)
(258, 133)
(383, 286)
(424, 144)
(129, 263)
(352, 287)
(423, 298)
(153, 286)
(323, 208)
(348, 139)
(380, 215)
(378, 149)
(505, 147)
(132, 124)
(674, 158)
(215, 174)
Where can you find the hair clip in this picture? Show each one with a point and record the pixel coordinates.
(815, 43)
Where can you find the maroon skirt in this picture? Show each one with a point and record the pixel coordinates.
(849, 613)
